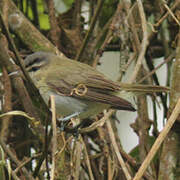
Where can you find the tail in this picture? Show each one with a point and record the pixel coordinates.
(140, 88)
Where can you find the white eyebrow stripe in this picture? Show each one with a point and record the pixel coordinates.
(14, 73)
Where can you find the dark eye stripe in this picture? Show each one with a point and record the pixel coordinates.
(34, 68)
(35, 61)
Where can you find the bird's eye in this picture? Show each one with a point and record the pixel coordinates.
(34, 68)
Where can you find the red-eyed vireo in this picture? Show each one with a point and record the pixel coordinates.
(79, 89)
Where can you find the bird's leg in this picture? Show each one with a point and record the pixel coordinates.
(64, 121)
(75, 130)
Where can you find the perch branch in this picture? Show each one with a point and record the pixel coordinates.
(54, 137)
(115, 146)
(158, 141)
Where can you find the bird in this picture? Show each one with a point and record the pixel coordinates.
(79, 89)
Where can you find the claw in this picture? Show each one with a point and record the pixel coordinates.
(64, 121)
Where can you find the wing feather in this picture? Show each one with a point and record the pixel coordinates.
(92, 94)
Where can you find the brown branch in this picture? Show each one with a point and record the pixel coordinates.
(126, 66)
(158, 141)
(19, 86)
(7, 105)
(170, 152)
(168, 59)
(18, 59)
(54, 137)
(106, 41)
(144, 124)
(144, 43)
(87, 159)
(20, 62)
(167, 13)
(55, 31)
(25, 30)
(26, 162)
(111, 23)
(98, 123)
(91, 28)
(114, 144)
(110, 170)
(15, 160)
(77, 159)
(77, 14)
(4, 5)
(171, 13)
(131, 21)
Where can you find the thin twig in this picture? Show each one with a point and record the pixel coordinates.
(143, 44)
(97, 124)
(54, 137)
(106, 41)
(109, 35)
(132, 25)
(155, 69)
(18, 59)
(28, 106)
(87, 159)
(115, 146)
(13, 157)
(55, 31)
(76, 22)
(158, 141)
(110, 172)
(65, 143)
(171, 13)
(92, 25)
(4, 9)
(7, 105)
(27, 161)
(167, 13)
(15, 177)
(126, 66)
(78, 152)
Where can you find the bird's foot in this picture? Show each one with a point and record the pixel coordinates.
(75, 130)
(64, 121)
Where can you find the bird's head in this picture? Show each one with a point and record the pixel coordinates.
(37, 60)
